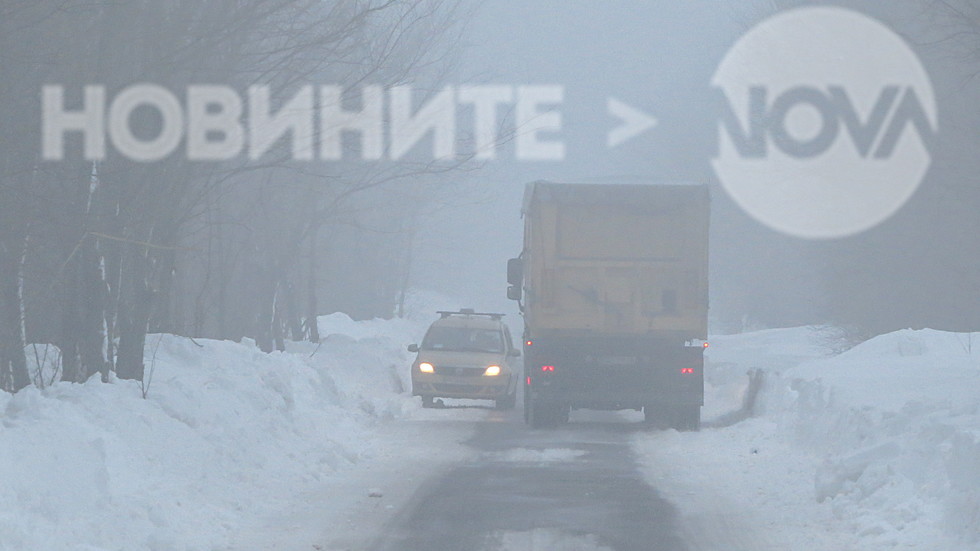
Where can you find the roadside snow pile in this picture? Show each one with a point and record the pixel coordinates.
(897, 422)
(875, 448)
(225, 434)
(730, 357)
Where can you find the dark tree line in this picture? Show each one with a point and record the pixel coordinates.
(94, 256)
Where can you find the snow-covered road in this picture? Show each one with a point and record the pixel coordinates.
(769, 481)
(876, 448)
(577, 487)
(349, 511)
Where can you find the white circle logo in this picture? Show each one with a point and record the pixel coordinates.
(827, 122)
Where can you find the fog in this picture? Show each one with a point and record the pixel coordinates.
(223, 224)
(914, 270)
(245, 231)
(630, 51)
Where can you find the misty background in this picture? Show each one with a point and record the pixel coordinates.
(93, 257)
(918, 269)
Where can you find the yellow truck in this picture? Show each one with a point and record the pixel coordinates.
(613, 287)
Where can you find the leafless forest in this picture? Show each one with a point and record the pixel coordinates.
(93, 256)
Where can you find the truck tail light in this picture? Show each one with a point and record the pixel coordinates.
(550, 368)
(687, 370)
(529, 381)
(528, 342)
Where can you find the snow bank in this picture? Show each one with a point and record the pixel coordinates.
(896, 424)
(225, 434)
(874, 448)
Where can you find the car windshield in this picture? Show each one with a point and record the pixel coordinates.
(463, 339)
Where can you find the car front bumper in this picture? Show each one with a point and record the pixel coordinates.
(461, 387)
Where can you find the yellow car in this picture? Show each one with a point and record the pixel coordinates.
(466, 354)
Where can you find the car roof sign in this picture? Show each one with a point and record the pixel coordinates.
(468, 312)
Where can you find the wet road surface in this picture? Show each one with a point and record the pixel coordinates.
(576, 488)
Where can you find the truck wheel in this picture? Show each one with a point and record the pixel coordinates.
(688, 418)
(563, 413)
(544, 415)
(527, 406)
(507, 402)
(653, 415)
(428, 402)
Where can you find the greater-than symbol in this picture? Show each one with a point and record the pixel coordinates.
(634, 122)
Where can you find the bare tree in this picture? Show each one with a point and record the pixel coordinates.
(94, 256)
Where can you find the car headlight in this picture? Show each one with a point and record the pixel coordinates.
(426, 367)
(492, 371)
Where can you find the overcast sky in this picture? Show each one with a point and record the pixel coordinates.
(659, 57)
(655, 56)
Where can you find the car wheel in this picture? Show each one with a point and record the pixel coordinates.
(428, 402)
(507, 402)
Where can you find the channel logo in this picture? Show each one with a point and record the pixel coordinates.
(827, 122)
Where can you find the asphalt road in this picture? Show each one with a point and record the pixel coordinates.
(576, 488)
